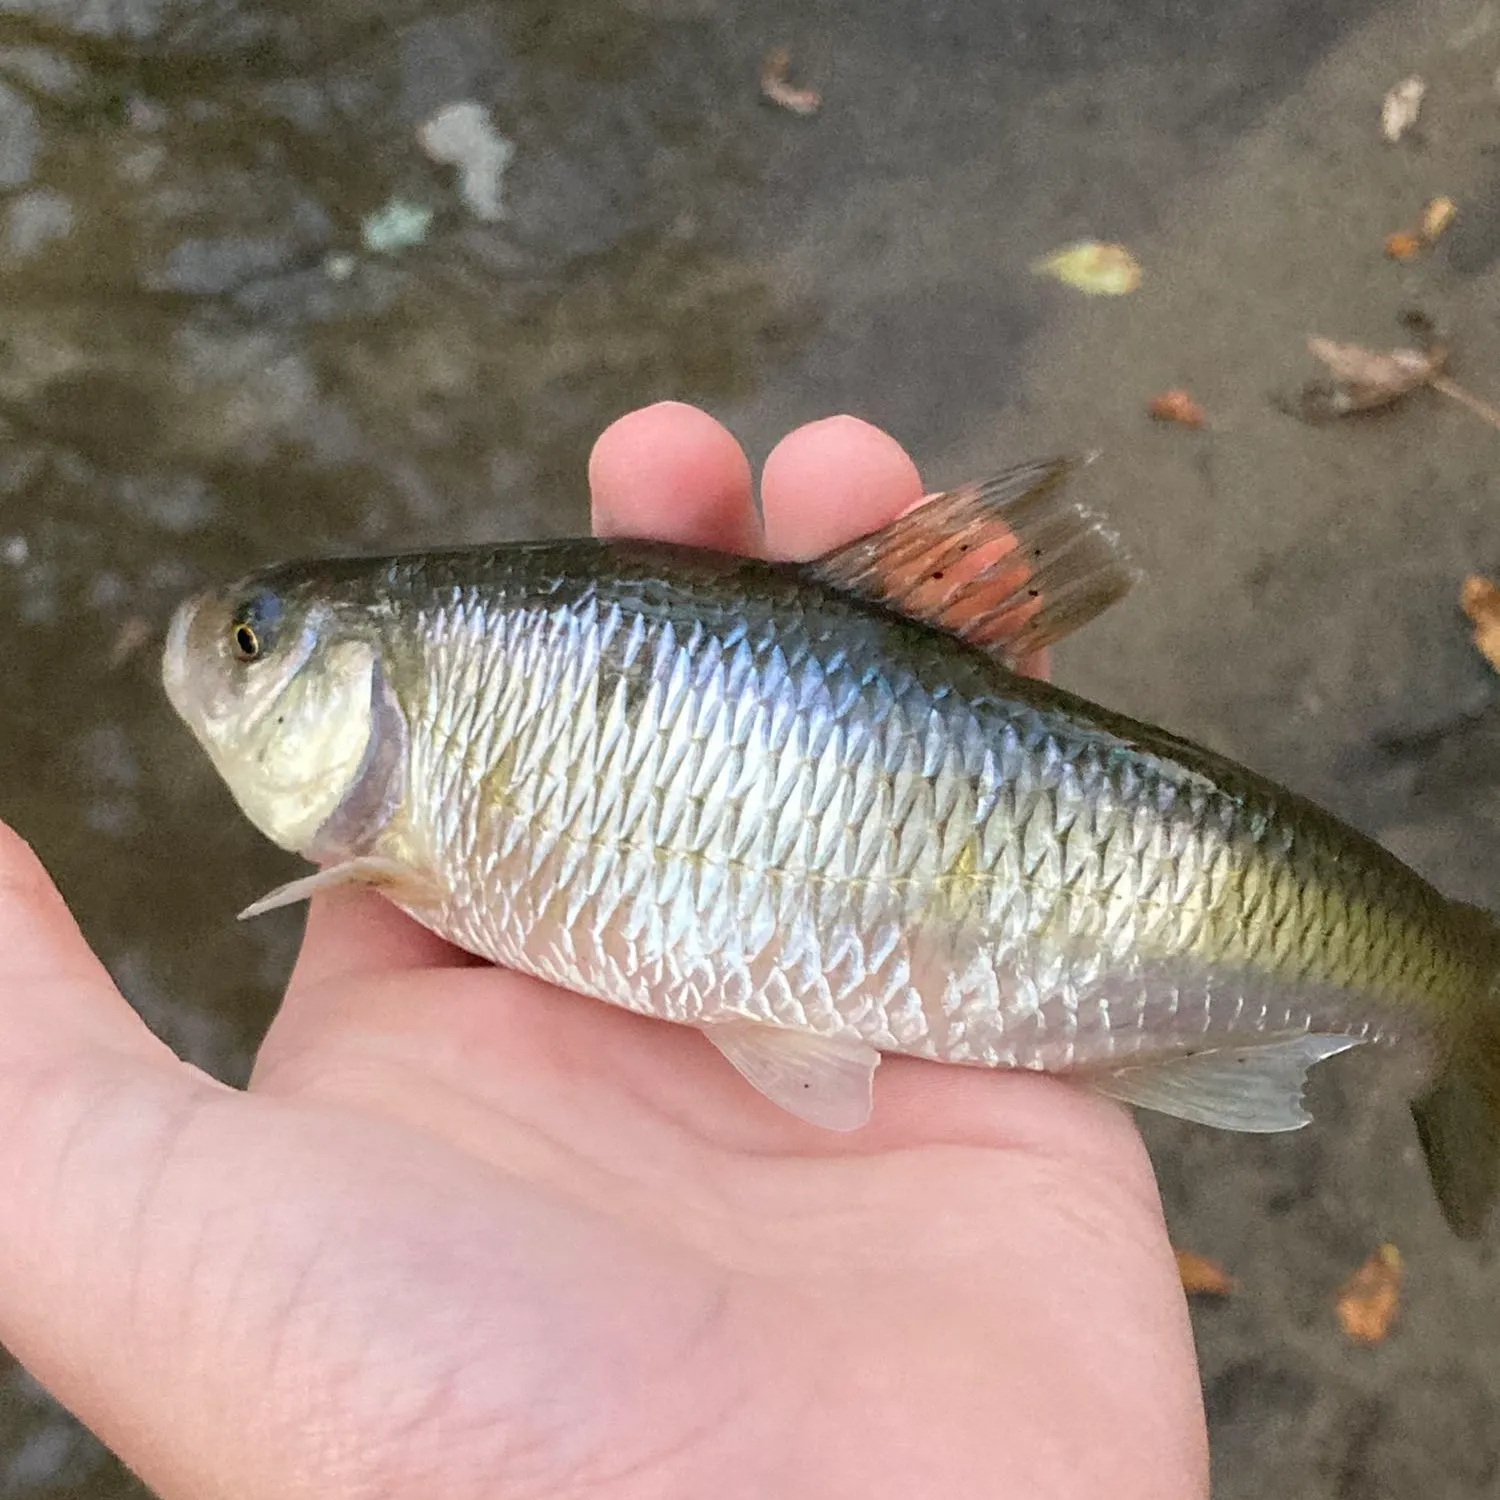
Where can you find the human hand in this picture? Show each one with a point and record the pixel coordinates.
(467, 1235)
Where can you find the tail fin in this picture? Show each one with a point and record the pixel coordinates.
(1458, 1122)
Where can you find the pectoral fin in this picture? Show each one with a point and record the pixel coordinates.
(827, 1081)
(1256, 1089)
(388, 875)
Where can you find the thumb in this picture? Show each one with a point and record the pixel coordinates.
(87, 1095)
(55, 997)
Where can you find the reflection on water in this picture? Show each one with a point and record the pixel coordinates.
(202, 368)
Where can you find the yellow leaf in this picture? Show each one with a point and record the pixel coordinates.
(1099, 270)
(1480, 601)
(1437, 215)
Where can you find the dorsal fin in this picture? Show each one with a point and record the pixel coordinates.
(1009, 564)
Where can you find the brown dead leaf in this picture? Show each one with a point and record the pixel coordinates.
(1177, 406)
(1403, 245)
(1368, 1303)
(774, 84)
(133, 633)
(1437, 215)
(1400, 107)
(1480, 601)
(1365, 379)
(1202, 1278)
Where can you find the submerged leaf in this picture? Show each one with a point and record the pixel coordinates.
(132, 634)
(1480, 601)
(1100, 270)
(397, 226)
(1437, 215)
(462, 135)
(1364, 379)
(1407, 244)
(1403, 245)
(1399, 109)
(1176, 406)
(1201, 1277)
(1376, 379)
(1371, 1297)
(775, 85)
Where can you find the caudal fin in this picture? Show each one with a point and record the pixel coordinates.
(1458, 1122)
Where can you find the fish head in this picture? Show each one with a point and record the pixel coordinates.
(285, 693)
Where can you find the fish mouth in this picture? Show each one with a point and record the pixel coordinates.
(175, 656)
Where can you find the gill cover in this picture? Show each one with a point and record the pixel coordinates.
(306, 752)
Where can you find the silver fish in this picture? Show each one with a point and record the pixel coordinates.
(813, 811)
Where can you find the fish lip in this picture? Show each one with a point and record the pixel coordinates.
(174, 660)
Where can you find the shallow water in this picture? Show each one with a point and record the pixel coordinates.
(203, 366)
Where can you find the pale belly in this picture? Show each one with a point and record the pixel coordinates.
(698, 942)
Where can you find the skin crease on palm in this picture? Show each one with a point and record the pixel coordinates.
(470, 1236)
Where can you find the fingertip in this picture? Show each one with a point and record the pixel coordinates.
(1038, 664)
(831, 481)
(673, 472)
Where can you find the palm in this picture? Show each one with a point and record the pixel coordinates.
(470, 1235)
(607, 1212)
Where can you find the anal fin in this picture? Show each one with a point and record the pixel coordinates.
(827, 1081)
(1257, 1088)
(1009, 564)
(388, 875)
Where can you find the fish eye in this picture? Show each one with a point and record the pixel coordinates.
(252, 632)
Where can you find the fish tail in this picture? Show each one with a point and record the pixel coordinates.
(1458, 1117)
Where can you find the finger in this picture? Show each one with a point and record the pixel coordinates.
(672, 472)
(1038, 664)
(357, 932)
(350, 935)
(832, 481)
(837, 479)
(83, 1087)
(55, 996)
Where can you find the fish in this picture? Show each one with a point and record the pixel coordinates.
(815, 811)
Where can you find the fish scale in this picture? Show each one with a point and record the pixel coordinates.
(822, 744)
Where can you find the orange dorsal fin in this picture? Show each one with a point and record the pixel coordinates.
(1009, 564)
